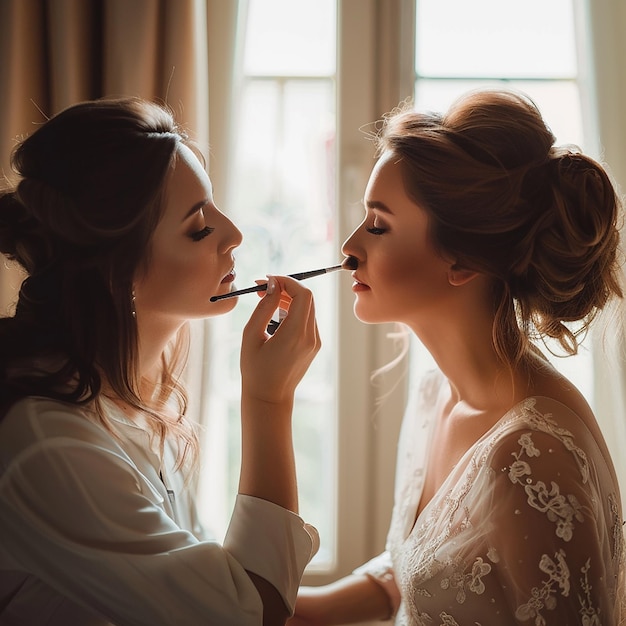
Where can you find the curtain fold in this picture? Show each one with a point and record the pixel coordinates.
(57, 52)
(603, 25)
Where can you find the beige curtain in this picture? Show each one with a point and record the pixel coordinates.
(57, 52)
(603, 25)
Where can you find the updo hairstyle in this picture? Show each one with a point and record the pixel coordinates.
(503, 200)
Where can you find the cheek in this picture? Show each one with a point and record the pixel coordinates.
(392, 276)
(407, 277)
(398, 266)
(169, 267)
(177, 275)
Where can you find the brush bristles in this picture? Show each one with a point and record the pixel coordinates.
(350, 263)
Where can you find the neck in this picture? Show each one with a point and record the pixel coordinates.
(154, 335)
(462, 347)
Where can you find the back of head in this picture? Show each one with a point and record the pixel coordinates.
(505, 201)
(79, 222)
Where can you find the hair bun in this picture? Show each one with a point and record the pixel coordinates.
(584, 199)
(569, 270)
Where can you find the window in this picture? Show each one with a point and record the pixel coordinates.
(313, 73)
(282, 198)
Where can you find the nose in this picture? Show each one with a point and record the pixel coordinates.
(232, 235)
(350, 247)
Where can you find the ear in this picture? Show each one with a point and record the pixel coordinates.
(458, 275)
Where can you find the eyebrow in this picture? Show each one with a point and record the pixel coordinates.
(195, 208)
(379, 206)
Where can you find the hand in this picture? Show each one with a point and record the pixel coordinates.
(272, 366)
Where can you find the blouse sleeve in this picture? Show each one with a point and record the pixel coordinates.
(77, 514)
(554, 530)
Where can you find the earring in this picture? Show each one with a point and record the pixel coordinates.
(133, 311)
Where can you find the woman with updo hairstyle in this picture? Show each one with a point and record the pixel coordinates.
(485, 239)
(112, 220)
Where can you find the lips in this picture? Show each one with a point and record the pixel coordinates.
(358, 285)
(357, 281)
(229, 278)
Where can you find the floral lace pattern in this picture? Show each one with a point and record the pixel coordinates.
(560, 509)
(563, 534)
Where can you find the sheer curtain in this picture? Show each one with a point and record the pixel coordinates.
(58, 52)
(603, 25)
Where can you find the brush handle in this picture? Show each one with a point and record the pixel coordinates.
(311, 273)
(263, 287)
(239, 292)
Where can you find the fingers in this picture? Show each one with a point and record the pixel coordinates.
(272, 366)
(284, 301)
(270, 301)
(285, 293)
(298, 302)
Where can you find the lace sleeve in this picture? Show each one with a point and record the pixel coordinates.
(555, 529)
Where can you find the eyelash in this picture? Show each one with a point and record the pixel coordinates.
(376, 231)
(201, 234)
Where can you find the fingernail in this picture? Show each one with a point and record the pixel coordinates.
(271, 285)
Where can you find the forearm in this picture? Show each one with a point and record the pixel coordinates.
(268, 465)
(354, 598)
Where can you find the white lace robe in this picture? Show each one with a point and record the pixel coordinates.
(527, 528)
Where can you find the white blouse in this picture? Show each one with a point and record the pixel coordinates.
(527, 528)
(95, 529)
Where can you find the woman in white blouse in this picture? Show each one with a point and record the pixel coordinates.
(483, 238)
(113, 220)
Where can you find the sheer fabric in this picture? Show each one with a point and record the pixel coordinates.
(527, 528)
(97, 529)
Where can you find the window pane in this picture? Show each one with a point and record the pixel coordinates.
(285, 208)
(282, 196)
(495, 38)
(290, 38)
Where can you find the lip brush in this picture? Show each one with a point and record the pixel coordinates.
(349, 263)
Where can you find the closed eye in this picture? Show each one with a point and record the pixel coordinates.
(376, 231)
(201, 234)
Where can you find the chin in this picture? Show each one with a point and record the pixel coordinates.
(223, 306)
(365, 316)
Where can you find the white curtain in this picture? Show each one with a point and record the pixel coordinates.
(602, 25)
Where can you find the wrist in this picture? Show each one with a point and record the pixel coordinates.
(258, 407)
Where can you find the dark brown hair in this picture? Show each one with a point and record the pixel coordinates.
(503, 200)
(79, 222)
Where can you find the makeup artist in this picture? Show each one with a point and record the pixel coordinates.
(113, 221)
(483, 238)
